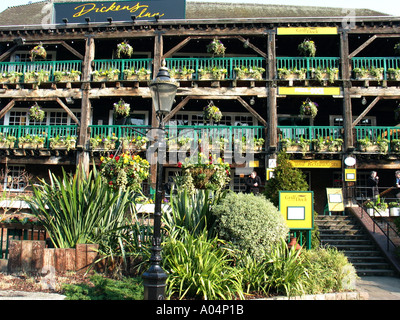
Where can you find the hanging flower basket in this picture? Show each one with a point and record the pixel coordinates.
(121, 172)
(205, 173)
(38, 51)
(309, 108)
(36, 113)
(307, 48)
(125, 49)
(212, 113)
(216, 47)
(122, 108)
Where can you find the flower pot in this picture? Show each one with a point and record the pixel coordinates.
(394, 212)
(188, 76)
(70, 78)
(210, 76)
(378, 213)
(30, 145)
(372, 149)
(29, 79)
(325, 76)
(367, 76)
(136, 77)
(395, 147)
(10, 80)
(393, 77)
(201, 183)
(248, 76)
(105, 78)
(297, 148)
(293, 76)
(4, 145)
(104, 146)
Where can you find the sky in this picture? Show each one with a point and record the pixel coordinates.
(385, 6)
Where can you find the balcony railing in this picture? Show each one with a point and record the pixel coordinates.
(308, 64)
(229, 64)
(122, 65)
(46, 67)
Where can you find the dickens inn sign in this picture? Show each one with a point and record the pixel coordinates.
(100, 11)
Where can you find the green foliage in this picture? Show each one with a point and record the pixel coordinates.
(105, 289)
(286, 178)
(252, 223)
(78, 208)
(200, 268)
(327, 270)
(192, 211)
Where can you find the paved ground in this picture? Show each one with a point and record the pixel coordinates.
(380, 288)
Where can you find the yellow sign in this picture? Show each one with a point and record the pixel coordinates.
(316, 163)
(270, 173)
(254, 164)
(317, 91)
(307, 30)
(297, 208)
(335, 199)
(350, 174)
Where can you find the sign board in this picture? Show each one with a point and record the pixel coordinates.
(317, 91)
(307, 30)
(335, 199)
(122, 10)
(297, 208)
(350, 175)
(328, 164)
(270, 173)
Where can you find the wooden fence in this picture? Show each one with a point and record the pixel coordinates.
(33, 256)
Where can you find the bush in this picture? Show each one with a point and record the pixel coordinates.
(328, 270)
(252, 223)
(200, 268)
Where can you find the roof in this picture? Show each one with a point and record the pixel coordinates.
(39, 12)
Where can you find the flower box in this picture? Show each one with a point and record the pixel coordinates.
(99, 78)
(70, 78)
(372, 149)
(393, 76)
(394, 212)
(326, 148)
(325, 76)
(378, 213)
(188, 76)
(10, 79)
(105, 146)
(137, 77)
(30, 145)
(34, 78)
(210, 76)
(62, 146)
(292, 76)
(297, 148)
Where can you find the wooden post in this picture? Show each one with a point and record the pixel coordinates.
(347, 110)
(272, 129)
(83, 156)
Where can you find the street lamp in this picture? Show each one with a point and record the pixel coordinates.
(163, 90)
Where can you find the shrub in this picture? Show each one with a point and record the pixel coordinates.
(286, 178)
(252, 223)
(200, 268)
(327, 270)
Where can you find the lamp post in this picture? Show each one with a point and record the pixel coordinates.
(163, 90)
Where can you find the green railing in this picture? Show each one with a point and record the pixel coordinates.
(37, 66)
(307, 63)
(373, 62)
(378, 134)
(122, 65)
(46, 131)
(310, 132)
(195, 133)
(223, 63)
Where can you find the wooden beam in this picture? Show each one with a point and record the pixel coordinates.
(7, 108)
(7, 53)
(68, 110)
(367, 109)
(252, 111)
(176, 48)
(363, 46)
(260, 52)
(72, 50)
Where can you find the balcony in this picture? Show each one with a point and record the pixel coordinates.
(369, 68)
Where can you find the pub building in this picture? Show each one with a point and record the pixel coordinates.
(320, 83)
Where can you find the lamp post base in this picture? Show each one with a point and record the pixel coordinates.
(154, 282)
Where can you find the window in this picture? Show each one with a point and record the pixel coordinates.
(196, 119)
(15, 180)
(337, 120)
(19, 117)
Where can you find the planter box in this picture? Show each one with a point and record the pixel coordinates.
(28, 145)
(136, 77)
(367, 77)
(378, 213)
(248, 76)
(105, 78)
(372, 149)
(394, 212)
(35, 79)
(5, 145)
(70, 78)
(10, 80)
(325, 76)
(394, 147)
(188, 77)
(209, 76)
(296, 148)
(394, 77)
(293, 76)
(102, 146)
(326, 148)
(61, 146)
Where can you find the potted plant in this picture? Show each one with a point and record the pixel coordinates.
(394, 208)
(123, 171)
(6, 141)
(103, 143)
(38, 51)
(67, 75)
(253, 72)
(135, 143)
(204, 172)
(10, 77)
(309, 108)
(31, 142)
(328, 144)
(37, 76)
(258, 144)
(393, 74)
(141, 74)
(36, 113)
(216, 47)
(377, 208)
(212, 73)
(105, 75)
(295, 145)
(325, 74)
(121, 108)
(307, 48)
(395, 145)
(181, 73)
(61, 142)
(368, 73)
(172, 143)
(292, 74)
(212, 113)
(124, 48)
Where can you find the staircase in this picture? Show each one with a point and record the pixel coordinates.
(347, 235)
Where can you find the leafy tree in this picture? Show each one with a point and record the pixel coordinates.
(286, 178)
